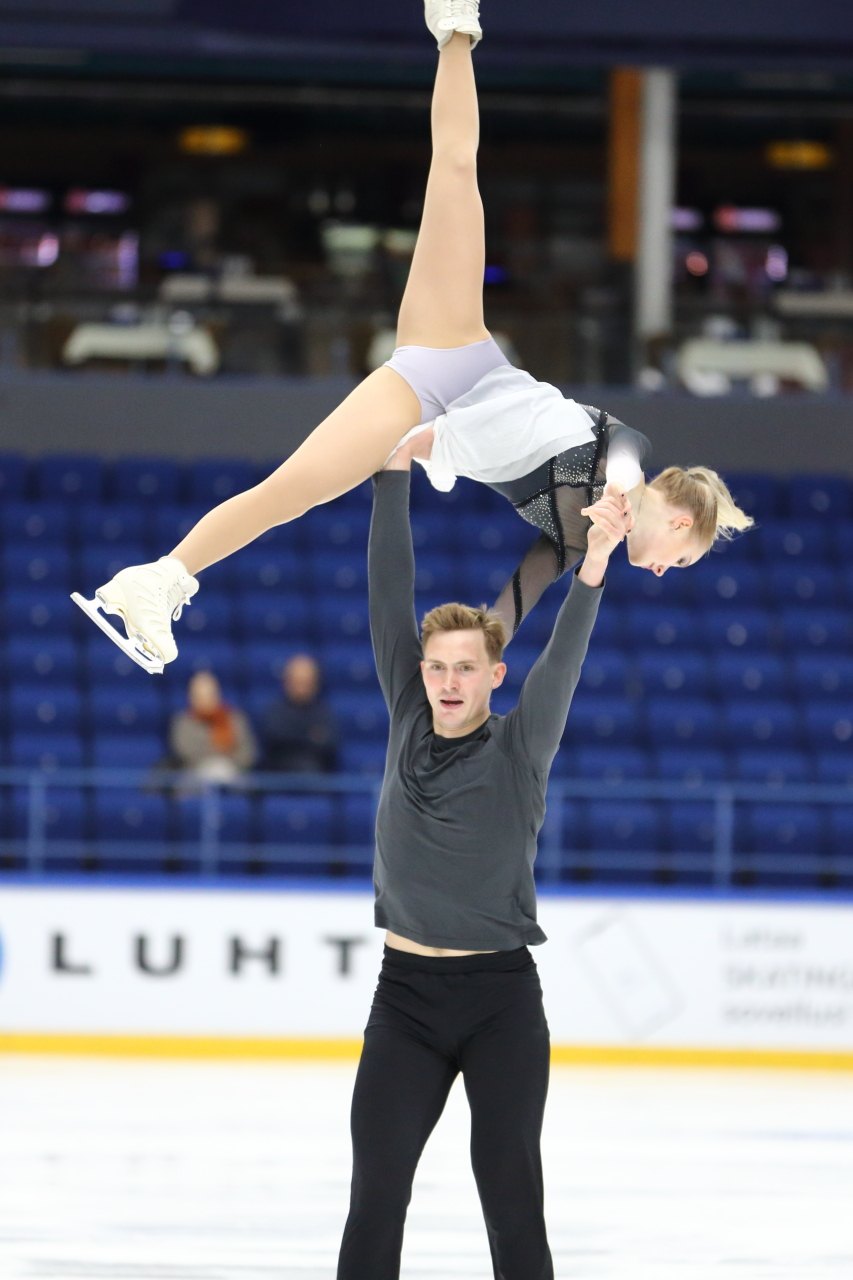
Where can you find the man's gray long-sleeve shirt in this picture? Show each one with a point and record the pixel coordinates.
(458, 818)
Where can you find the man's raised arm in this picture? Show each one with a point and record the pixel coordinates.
(546, 695)
(391, 584)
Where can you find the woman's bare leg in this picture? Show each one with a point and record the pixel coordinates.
(443, 302)
(442, 307)
(347, 447)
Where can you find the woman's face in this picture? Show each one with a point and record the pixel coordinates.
(662, 537)
(204, 694)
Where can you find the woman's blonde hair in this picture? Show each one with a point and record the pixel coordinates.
(462, 617)
(706, 497)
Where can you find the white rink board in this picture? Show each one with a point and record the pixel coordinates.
(717, 974)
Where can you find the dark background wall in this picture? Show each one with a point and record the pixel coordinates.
(268, 418)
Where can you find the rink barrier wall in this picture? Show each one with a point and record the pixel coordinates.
(291, 974)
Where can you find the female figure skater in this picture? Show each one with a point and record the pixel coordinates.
(481, 417)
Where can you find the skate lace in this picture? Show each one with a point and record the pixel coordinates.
(176, 598)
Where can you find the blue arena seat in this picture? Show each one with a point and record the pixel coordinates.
(692, 721)
(263, 661)
(343, 572)
(104, 664)
(596, 720)
(361, 714)
(839, 835)
(611, 764)
(841, 541)
(14, 476)
(761, 496)
(34, 523)
(234, 824)
(357, 822)
(680, 671)
(817, 628)
(519, 658)
(170, 522)
(209, 615)
(339, 617)
(604, 671)
(813, 584)
(624, 826)
(51, 659)
(690, 766)
(135, 750)
(39, 565)
(791, 828)
(753, 674)
(272, 615)
(33, 707)
(834, 768)
(763, 722)
(212, 481)
(363, 756)
(111, 523)
(66, 813)
(144, 480)
(123, 814)
(823, 496)
(828, 725)
(432, 531)
(70, 477)
(658, 624)
(135, 708)
(60, 749)
(691, 827)
(99, 562)
(789, 541)
(773, 767)
(348, 664)
(717, 582)
(736, 628)
(270, 568)
(823, 675)
(224, 657)
(296, 819)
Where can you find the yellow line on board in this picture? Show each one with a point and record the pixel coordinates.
(212, 1047)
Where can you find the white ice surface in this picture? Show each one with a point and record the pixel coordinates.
(112, 1170)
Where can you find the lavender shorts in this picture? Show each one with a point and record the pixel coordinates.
(438, 375)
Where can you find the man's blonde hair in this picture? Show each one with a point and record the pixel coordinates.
(462, 617)
(706, 497)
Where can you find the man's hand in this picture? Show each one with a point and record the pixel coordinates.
(611, 520)
(420, 446)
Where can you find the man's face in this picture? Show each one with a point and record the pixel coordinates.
(459, 680)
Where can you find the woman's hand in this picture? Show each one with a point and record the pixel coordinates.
(419, 446)
(611, 520)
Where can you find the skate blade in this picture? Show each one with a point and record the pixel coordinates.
(134, 649)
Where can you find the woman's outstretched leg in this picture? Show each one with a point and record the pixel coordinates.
(442, 306)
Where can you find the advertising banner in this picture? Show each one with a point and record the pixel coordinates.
(715, 974)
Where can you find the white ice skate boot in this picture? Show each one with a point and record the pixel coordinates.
(443, 17)
(147, 598)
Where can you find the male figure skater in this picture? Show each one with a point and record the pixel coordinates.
(462, 801)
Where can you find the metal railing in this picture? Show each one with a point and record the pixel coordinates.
(44, 831)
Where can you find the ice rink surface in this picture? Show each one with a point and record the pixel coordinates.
(116, 1169)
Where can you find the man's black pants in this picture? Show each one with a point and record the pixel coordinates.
(433, 1017)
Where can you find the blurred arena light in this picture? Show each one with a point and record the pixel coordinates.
(799, 154)
(23, 200)
(213, 140)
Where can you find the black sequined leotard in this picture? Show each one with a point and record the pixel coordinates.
(551, 498)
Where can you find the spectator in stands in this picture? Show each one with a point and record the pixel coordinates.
(211, 740)
(299, 731)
